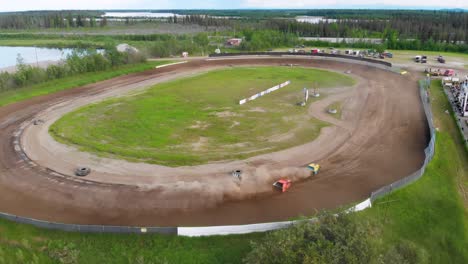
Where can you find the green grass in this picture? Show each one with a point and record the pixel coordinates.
(339, 109)
(198, 119)
(26, 244)
(430, 213)
(12, 96)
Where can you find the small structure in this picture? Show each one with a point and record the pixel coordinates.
(234, 42)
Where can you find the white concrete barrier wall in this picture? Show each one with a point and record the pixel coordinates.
(231, 230)
(246, 229)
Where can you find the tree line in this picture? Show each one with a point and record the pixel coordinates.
(59, 19)
(78, 62)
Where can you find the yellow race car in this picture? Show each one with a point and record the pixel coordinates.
(314, 167)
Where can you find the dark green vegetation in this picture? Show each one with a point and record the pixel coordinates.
(333, 240)
(399, 29)
(19, 94)
(77, 63)
(199, 119)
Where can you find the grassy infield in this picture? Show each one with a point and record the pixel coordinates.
(202, 111)
(430, 213)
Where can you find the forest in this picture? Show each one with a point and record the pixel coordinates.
(443, 30)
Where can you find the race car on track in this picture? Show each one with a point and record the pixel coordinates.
(283, 185)
(314, 167)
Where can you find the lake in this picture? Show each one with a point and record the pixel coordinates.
(138, 14)
(314, 19)
(8, 55)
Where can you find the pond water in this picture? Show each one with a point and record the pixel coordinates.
(8, 55)
(314, 19)
(138, 14)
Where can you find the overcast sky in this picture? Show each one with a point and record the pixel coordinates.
(22, 5)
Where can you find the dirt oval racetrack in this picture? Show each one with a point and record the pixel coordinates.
(382, 139)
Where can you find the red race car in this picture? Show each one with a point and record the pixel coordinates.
(282, 185)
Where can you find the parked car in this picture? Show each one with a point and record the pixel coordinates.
(449, 72)
(441, 59)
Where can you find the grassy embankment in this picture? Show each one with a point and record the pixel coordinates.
(11, 96)
(26, 244)
(198, 119)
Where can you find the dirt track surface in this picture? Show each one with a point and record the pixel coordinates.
(379, 140)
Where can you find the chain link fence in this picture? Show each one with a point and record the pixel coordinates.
(88, 228)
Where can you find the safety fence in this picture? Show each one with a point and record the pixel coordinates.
(242, 229)
(322, 55)
(88, 228)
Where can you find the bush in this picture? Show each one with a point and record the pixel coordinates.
(337, 239)
(333, 239)
(80, 61)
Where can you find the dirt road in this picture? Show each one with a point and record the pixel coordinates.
(380, 139)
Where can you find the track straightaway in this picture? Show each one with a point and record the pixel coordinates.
(379, 140)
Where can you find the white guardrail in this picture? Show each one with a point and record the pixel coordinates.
(267, 91)
(170, 64)
(246, 229)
